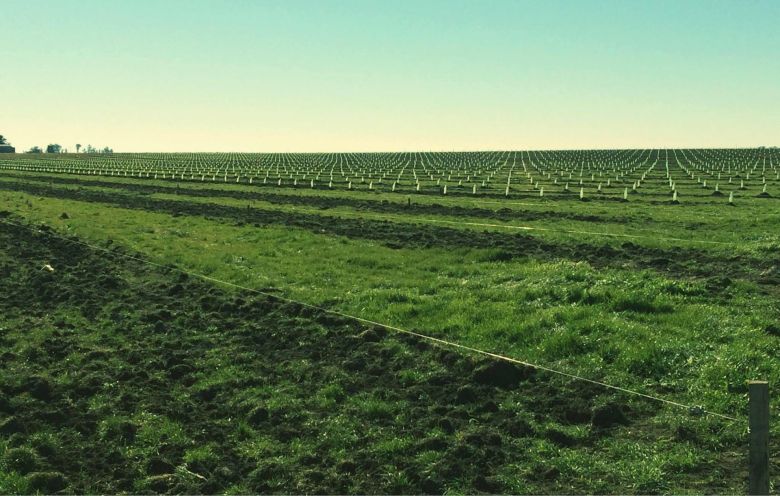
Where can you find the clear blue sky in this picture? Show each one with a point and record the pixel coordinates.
(389, 75)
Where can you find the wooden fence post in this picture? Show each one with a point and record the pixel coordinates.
(759, 437)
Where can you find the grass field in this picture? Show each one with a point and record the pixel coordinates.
(653, 270)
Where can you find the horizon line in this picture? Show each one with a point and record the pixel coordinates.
(756, 147)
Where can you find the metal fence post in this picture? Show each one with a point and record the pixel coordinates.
(759, 437)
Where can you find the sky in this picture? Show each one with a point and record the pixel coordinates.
(389, 75)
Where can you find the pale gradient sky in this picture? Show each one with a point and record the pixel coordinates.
(362, 75)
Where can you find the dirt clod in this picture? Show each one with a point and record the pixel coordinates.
(466, 394)
(47, 482)
(371, 335)
(683, 433)
(39, 388)
(431, 486)
(560, 438)
(258, 415)
(22, 460)
(501, 374)
(608, 415)
(158, 466)
(488, 485)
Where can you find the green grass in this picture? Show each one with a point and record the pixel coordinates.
(690, 339)
(638, 329)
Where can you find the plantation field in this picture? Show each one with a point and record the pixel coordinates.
(657, 271)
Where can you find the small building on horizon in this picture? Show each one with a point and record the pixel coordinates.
(7, 149)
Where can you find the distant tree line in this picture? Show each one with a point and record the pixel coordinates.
(92, 149)
(56, 148)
